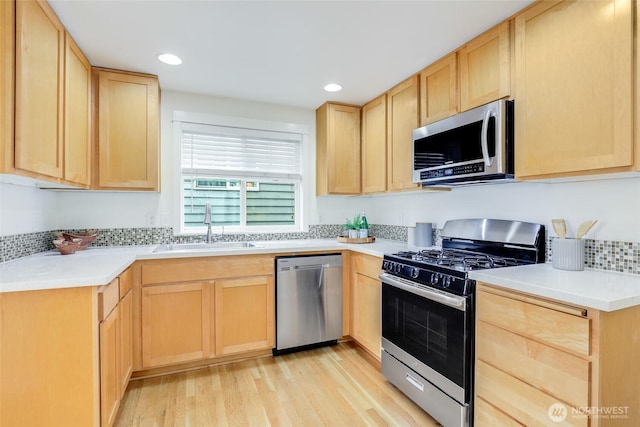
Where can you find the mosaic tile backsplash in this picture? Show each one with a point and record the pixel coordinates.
(599, 254)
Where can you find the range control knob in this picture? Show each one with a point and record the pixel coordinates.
(398, 268)
(446, 282)
(434, 278)
(415, 272)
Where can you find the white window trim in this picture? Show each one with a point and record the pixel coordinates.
(301, 215)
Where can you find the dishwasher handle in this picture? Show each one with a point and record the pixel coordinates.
(304, 267)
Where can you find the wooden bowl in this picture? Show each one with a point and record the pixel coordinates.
(85, 239)
(67, 247)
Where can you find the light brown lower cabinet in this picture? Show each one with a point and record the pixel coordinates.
(541, 363)
(244, 313)
(115, 311)
(366, 297)
(196, 309)
(175, 323)
(109, 368)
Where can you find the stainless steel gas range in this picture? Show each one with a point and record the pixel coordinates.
(428, 310)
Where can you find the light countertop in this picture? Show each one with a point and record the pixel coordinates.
(98, 266)
(602, 290)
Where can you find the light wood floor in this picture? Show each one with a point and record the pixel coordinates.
(330, 386)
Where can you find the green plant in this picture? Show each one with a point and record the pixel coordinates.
(353, 224)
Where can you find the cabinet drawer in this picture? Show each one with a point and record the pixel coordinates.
(126, 279)
(485, 414)
(519, 400)
(108, 297)
(542, 323)
(194, 269)
(563, 375)
(370, 266)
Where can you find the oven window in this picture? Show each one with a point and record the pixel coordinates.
(431, 332)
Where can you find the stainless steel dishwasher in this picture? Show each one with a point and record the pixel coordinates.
(308, 302)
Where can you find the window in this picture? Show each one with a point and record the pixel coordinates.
(251, 178)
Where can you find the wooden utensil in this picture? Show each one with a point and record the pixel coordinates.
(585, 227)
(560, 227)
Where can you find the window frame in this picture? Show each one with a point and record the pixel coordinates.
(301, 185)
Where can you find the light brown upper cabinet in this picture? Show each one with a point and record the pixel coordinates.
(77, 114)
(439, 90)
(337, 149)
(374, 146)
(574, 89)
(402, 119)
(39, 92)
(485, 68)
(7, 70)
(126, 131)
(52, 97)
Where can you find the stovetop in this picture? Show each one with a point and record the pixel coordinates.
(459, 260)
(445, 269)
(467, 245)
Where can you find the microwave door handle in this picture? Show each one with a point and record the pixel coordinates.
(483, 139)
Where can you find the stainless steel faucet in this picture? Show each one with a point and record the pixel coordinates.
(207, 220)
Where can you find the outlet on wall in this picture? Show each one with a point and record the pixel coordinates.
(151, 219)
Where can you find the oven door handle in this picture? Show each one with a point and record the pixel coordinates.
(454, 301)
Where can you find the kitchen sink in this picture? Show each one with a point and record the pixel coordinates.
(193, 247)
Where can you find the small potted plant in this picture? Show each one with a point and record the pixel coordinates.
(353, 226)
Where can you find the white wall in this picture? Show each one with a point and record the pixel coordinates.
(615, 203)
(26, 209)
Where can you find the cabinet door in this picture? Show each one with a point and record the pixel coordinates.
(485, 68)
(126, 340)
(7, 70)
(374, 146)
(338, 149)
(439, 90)
(110, 367)
(402, 119)
(127, 151)
(175, 323)
(77, 109)
(367, 313)
(574, 88)
(244, 314)
(39, 90)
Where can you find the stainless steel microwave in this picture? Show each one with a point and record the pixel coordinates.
(472, 147)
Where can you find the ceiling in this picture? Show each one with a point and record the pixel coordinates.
(280, 52)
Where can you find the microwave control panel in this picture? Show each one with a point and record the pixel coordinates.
(453, 171)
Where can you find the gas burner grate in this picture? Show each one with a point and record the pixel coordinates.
(459, 259)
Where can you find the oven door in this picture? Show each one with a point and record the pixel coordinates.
(430, 331)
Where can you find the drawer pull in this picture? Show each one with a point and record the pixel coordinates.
(414, 382)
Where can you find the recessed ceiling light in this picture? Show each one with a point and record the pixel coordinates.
(333, 87)
(170, 59)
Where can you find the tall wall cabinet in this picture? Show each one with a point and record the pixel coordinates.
(374, 146)
(48, 95)
(337, 149)
(52, 77)
(574, 88)
(7, 72)
(126, 134)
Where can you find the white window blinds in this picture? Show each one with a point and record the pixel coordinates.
(209, 150)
